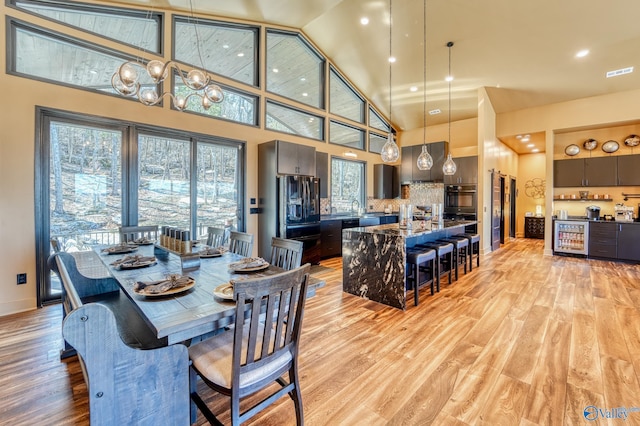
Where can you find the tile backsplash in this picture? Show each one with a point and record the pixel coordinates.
(420, 194)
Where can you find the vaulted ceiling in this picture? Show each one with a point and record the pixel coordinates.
(523, 52)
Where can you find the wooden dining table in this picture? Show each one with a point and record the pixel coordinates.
(194, 312)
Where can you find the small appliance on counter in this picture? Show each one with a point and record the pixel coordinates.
(593, 212)
(623, 213)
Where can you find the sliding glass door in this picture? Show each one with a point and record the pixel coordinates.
(95, 175)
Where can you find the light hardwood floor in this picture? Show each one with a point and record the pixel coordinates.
(524, 339)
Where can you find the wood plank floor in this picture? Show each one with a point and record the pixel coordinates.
(523, 340)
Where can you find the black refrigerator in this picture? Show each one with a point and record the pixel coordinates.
(298, 213)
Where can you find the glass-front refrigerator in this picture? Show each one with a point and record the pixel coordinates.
(571, 236)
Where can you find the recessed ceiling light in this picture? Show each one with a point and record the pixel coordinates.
(525, 139)
(275, 70)
(240, 55)
(519, 137)
(364, 20)
(413, 88)
(225, 46)
(305, 94)
(435, 111)
(530, 145)
(448, 78)
(621, 71)
(535, 150)
(392, 59)
(582, 53)
(303, 79)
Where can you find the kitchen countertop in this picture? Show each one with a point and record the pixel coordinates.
(584, 219)
(340, 216)
(394, 229)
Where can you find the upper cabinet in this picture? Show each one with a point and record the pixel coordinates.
(466, 171)
(410, 171)
(598, 171)
(629, 170)
(295, 159)
(322, 172)
(385, 181)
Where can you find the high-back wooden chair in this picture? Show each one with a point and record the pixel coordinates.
(257, 353)
(127, 385)
(135, 233)
(215, 236)
(285, 253)
(241, 243)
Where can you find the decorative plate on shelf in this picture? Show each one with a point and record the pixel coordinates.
(610, 146)
(590, 144)
(572, 150)
(632, 140)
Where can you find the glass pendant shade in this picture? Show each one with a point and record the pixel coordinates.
(390, 151)
(425, 161)
(449, 167)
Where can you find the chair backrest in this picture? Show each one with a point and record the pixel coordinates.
(132, 233)
(241, 243)
(126, 385)
(215, 236)
(265, 347)
(285, 253)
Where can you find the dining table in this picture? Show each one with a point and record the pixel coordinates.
(192, 312)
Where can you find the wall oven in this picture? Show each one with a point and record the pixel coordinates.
(460, 199)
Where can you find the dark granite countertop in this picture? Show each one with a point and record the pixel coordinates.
(340, 216)
(394, 229)
(584, 219)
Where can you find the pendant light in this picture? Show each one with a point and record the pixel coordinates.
(425, 161)
(449, 167)
(390, 151)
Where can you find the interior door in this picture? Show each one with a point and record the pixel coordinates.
(496, 209)
(512, 200)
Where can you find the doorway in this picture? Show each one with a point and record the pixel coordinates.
(512, 208)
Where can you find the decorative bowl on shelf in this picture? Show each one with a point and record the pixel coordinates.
(610, 146)
(584, 195)
(632, 140)
(590, 144)
(572, 150)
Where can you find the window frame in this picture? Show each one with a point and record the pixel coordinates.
(159, 17)
(361, 131)
(322, 119)
(363, 180)
(257, 66)
(348, 86)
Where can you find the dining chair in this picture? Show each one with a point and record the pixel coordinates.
(132, 233)
(215, 236)
(241, 243)
(286, 253)
(258, 352)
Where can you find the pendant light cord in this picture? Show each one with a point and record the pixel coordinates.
(449, 78)
(390, 64)
(424, 77)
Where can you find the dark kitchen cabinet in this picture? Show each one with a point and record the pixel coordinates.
(599, 171)
(603, 240)
(331, 238)
(629, 241)
(466, 171)
(410, 171)
(322, 172)
(386, 219)
(385, 181)
(295, 159)
(629, 170)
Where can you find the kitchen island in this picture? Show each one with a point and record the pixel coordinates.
(374, 258)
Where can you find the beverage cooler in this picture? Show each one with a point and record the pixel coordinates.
(571, 236)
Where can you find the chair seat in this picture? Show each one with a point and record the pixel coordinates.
(213, 359)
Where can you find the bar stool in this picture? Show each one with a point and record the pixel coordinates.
(415, 258)
(461, 245)
(444, 252)
(474, 248)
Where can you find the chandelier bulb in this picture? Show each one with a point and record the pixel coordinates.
(214, 93)
(149, 96)
(196, 79)
(157, 70)
(128, 74)
(180, 102)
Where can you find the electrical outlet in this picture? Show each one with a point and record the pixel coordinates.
(22, 279)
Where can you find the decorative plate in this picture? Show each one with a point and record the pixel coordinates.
(190, 283)
(572, 150)
(249, 264)
(120, 249)
(136, 265)
(610, 146)
(224, 291)
(590, 144)
(632, 140)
